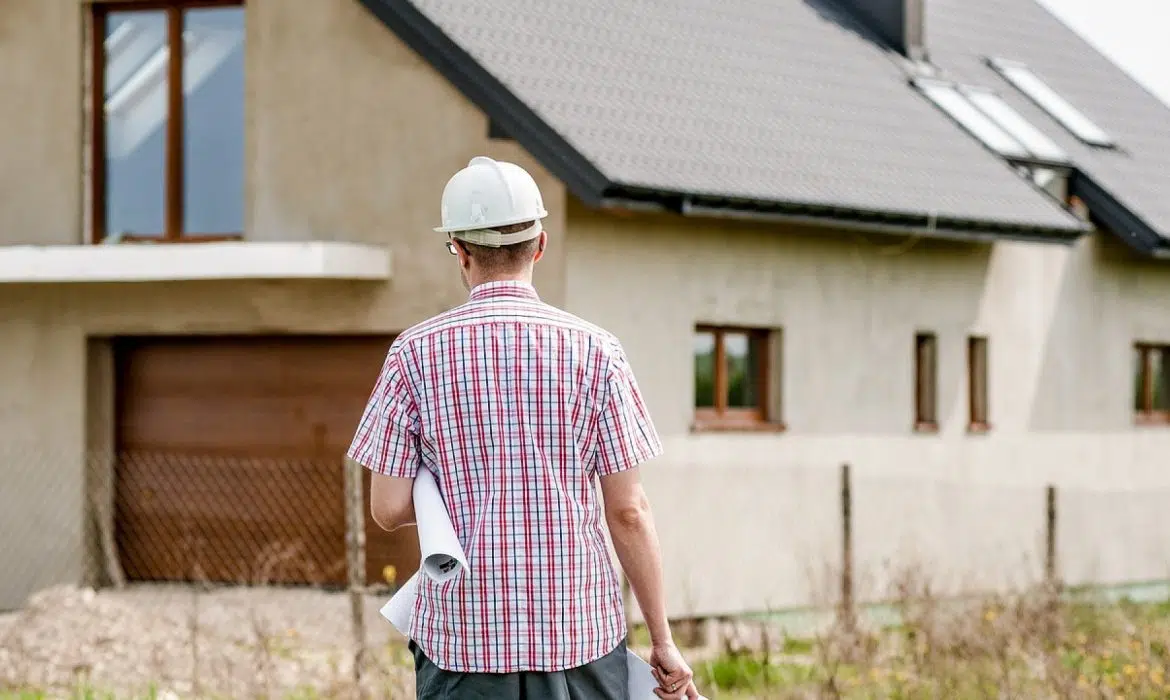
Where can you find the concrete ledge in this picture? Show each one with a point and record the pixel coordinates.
(161, 262)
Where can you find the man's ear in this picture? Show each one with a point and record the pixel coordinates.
(463, 255)
(540, 247)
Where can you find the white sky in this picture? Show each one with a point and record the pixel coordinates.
(1133, 33)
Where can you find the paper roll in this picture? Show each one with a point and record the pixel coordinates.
(442, 554)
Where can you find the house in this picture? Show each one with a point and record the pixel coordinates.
(928, 239)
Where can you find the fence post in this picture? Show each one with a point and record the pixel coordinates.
(1050, 573)
(355, 549)
(847, 611)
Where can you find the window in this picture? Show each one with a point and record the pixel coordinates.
(925, 382)
(977, 384)
(1027, 82)
(732, 378)
(1152, 383)
(168, 120)
(991, 120)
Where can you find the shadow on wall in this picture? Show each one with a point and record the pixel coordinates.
(1108, 300)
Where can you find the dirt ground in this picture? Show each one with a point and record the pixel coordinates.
(174, 641)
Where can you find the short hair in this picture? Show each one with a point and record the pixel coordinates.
(503, 259)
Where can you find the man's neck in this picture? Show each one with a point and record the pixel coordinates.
(524, 277)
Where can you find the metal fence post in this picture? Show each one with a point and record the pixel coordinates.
(1050, 573)
(847, 612)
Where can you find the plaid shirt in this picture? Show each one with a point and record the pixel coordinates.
(514, 405)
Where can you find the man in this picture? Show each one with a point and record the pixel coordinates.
(516, 407)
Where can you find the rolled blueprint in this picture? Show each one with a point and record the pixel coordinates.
(442, 559)
(442, 555)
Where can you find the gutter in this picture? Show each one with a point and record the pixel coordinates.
(840, 218)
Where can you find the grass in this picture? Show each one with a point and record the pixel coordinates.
(1032, 645)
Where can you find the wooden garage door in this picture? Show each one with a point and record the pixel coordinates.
(230, 459)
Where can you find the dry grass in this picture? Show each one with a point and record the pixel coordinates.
(1034, 645)
(186, 642)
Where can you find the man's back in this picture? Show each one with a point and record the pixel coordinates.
(516, 406)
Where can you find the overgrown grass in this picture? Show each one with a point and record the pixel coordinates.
(1033, 645)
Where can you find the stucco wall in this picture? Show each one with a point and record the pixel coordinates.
(970, 508)
(40, 121)
(349, 135)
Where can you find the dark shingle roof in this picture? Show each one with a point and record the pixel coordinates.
(962, 33)
(773, 101)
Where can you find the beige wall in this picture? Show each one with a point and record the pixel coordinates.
(350, 136)
(40, 121)
(1061, 323)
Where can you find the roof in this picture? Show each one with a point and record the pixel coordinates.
(745, 104)
(1128, 186)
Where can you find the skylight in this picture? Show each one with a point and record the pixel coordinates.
(992, 121)
(1027, 82)
(948, 99)
(1032, 138)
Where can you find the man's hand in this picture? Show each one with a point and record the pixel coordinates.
(673, 674)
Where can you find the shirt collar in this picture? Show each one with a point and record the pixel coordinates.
(503, 289)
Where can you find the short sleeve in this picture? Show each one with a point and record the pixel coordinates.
(626, 433)
(387, 438)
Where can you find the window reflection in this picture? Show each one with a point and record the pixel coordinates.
(704, 351)
(136, 65)
(742, 370)
(213, 122)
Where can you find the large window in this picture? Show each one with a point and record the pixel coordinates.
(734, 376)
(1152, 383)
(925, 382)
(168, 120)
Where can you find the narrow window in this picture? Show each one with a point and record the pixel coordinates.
(977, 382)
(731, 374)
(168, 108)
(1152, 383)
(925, 382)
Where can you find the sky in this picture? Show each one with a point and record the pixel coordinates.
(1130, 32)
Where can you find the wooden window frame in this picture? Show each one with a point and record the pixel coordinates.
(173, 205)
(977, 423)
(721, 417)
(1146, 414)
(925, 397)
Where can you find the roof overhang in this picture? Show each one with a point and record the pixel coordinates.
(162, 262)
(1118, 219)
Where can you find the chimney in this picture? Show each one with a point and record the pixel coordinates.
(902, 23)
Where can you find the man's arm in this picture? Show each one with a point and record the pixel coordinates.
(387, 443)
(391, 501)
(631, 525)
(626, 439)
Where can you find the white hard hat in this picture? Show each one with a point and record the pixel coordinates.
(489, 194)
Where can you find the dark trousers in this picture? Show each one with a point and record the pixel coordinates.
(603, 679)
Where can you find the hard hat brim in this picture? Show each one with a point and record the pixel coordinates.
(495, 224)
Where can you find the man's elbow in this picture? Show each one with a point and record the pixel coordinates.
(631, 516)
(391, 516)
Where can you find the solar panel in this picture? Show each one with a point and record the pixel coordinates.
(1027, 82)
